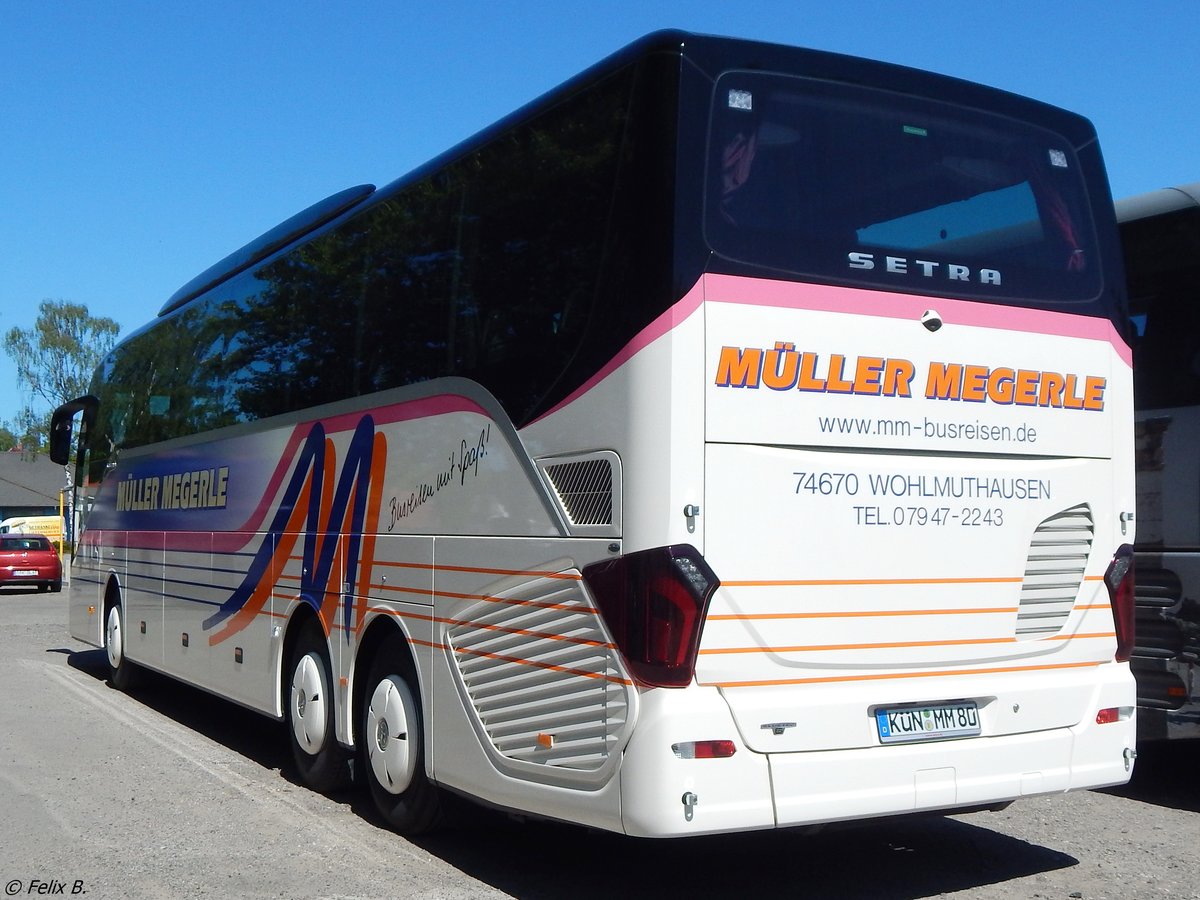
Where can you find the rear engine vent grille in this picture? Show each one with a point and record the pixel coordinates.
(543, 678)
(1058, 556)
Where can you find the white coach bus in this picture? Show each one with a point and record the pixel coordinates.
(738, 437)
(1160, 232)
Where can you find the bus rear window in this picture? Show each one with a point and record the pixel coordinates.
(849, 185)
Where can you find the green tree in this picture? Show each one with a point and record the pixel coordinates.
(55, 358)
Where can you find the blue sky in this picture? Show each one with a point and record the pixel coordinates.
(140, 142)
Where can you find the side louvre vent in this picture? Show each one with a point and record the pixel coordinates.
(545, 683)
(588, 490)
(1058, 556)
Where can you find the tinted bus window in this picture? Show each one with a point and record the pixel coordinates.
(891, 191)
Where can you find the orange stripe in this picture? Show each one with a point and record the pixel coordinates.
(400, 589)
(896, 644)
(427, 567)
(583, 642)
(1071, 637)
(898, 675)
(861, 614)
(878, 646)
(451, 595)
(566, 576)
(851, 582)
(513, 601)
(546, 666)
(524, 632)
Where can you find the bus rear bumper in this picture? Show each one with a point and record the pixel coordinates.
(664, 795)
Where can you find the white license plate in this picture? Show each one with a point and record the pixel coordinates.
(25, 573)
(935, 722)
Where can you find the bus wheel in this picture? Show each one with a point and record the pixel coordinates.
(122, 674)
(394, 744)
(310, 706)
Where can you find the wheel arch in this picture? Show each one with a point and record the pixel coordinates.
(112, 592)
(302, 618)
(113, 596)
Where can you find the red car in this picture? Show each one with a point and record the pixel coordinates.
(29, 559)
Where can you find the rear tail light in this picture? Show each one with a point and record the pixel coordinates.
(1119, 581)
(704, 749)
(654, 603)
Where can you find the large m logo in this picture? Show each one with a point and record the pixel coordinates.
(338, 526)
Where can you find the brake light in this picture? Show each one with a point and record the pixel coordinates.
(654, 603)
(1119, 580)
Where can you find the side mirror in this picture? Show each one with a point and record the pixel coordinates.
(60, 426)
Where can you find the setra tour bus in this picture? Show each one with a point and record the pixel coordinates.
(737, 437)
(1160, 235)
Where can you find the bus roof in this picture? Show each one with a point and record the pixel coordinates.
(708, 53)
(264, 245)
(1154, 203)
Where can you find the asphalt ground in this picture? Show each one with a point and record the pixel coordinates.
(169, 792)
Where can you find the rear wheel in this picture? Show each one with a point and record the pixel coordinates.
(122, 674)
(322, 763)
(394, 747)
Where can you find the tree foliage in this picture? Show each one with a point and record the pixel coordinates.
(55, 358)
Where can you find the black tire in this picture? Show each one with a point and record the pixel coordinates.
(322, 763)
(122, 674)
(56, 587)
(393, 743)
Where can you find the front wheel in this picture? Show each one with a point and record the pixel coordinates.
(393, 739)
(322, 763)
(122, 674)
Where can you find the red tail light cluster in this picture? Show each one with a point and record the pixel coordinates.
(1119, 580)
(654, 603)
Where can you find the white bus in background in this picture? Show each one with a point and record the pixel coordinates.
(739, 437)
(1160, 232)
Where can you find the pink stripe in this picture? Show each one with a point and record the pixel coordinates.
(668, 321)
(826, 298)
(440, 405)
